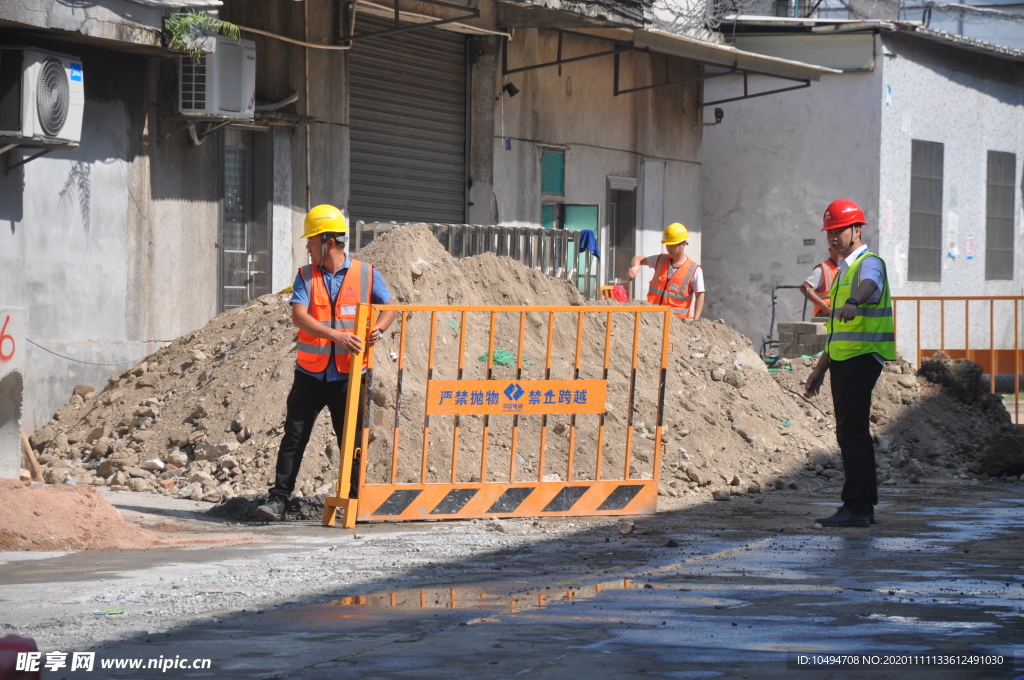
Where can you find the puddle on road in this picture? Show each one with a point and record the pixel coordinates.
(810, 592)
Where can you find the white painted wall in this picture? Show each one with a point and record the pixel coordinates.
(770, 169)
(939, 96)
(652, 220)
(282, 219)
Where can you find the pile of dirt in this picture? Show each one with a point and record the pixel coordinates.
(936, 422)
(202, 418)
(66, 518)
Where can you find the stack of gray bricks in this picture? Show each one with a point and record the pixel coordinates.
(797, 339)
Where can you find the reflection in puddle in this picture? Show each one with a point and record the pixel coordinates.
(480, 597)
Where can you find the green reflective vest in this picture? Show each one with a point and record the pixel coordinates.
(871, 330)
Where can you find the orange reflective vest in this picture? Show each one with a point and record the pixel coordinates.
(314, 354)
(677, 291)
(828, 274)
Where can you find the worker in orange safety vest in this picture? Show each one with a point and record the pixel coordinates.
(678, 281)
(818, 283)
(324, 299)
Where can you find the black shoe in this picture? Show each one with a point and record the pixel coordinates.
(272, 509)
(844, 518)
(871, 517)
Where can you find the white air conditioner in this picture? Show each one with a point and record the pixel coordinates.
(42, 98)
(221, 84)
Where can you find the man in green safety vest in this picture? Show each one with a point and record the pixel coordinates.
(861, 337)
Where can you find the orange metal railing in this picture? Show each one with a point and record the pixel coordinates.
(944, 324)
(595, 492)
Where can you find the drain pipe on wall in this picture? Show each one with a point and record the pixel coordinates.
(305, 26)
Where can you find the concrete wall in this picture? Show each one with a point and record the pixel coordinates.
(101, 244)
(601, 134)
(481, 203)
(971, 105)
(64, 246)
(119, 20)
(13, 349)
(770, 169)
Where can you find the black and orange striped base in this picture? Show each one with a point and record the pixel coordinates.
(393, 502)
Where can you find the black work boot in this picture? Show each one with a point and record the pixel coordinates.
(844, 518)
(273, 509)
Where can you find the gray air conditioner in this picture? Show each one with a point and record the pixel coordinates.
(221, 84)
(42, 97)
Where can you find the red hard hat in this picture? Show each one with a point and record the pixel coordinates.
(842, 213)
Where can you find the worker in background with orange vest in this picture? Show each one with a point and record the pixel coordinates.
(817, 285)
(324, 299)
(678, 281)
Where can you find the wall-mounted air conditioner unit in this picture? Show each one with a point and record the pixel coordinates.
(42, 97)
(221, 84)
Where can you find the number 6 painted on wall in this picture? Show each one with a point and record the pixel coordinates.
(4, 338)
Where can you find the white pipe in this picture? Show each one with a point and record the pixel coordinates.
(198, 4)
(303, 43)
(279, 105)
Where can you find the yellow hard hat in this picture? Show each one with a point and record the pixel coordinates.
(325, 219)
(673, 234)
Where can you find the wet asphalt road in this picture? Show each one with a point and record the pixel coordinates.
(727, 601)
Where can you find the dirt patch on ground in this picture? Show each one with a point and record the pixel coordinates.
(78, 518)
(202, 418)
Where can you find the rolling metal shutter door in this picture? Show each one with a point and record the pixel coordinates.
(407, 116)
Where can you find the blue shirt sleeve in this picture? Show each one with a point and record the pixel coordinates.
(299, 294)
(380, 294)
(871, 268)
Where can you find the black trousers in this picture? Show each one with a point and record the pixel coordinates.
(852, 383)
(307, 399)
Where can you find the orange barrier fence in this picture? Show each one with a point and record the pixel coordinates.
(945, 324)
(498, 397)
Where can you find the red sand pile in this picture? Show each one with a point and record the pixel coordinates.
(72, 518)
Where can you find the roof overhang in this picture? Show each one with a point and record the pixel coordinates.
(914, 29)
(727, 57)
(717, 59)
(963, 43)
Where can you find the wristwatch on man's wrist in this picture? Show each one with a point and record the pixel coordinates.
(853, 301)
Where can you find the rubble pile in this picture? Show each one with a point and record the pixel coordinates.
(202, 418)
(937, 422)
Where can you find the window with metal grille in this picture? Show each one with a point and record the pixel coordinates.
(1002, 168)
(925, 261)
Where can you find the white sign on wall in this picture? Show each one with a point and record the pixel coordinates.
(952, 234)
